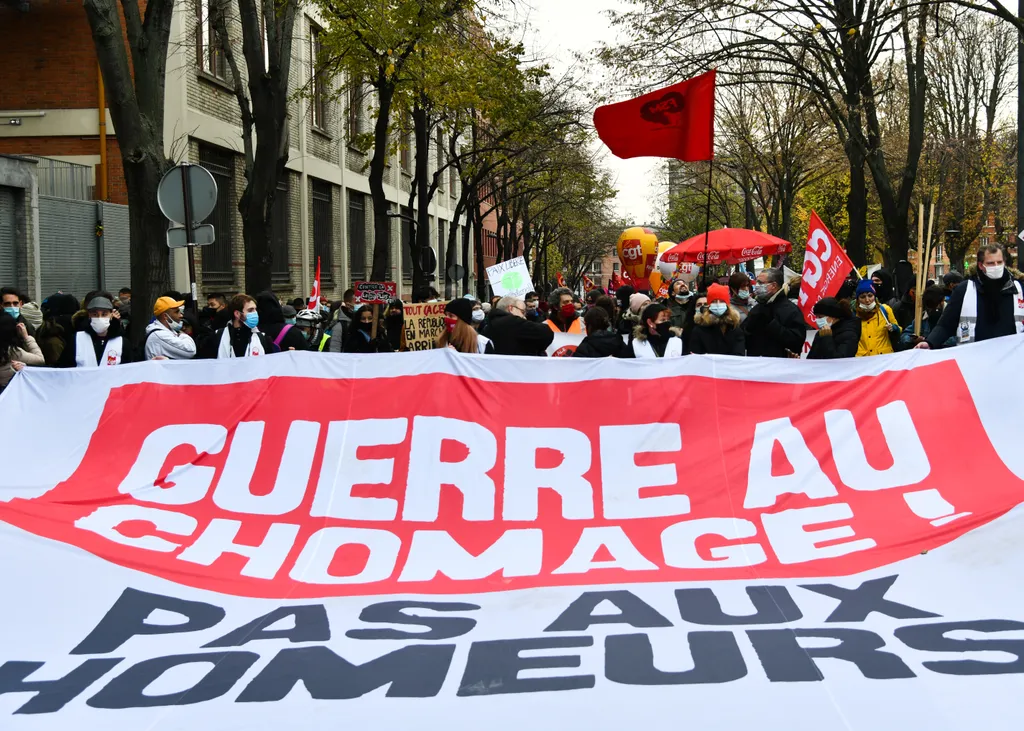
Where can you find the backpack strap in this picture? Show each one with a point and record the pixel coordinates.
(280, 336)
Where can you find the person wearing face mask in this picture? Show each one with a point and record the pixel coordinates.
(347, 314)
(601, 340)
(394, 323)
(933, 301)
(653, 337)
(988, 304)
(360, 336)
(838, 333)
(164, 337)
(563, 316)
(717, 328)
(624, 324)
(458, 333)
(478, 315)
(774, 327)
(241, 337)
(273, 325)
(739, 294)
(12, 303)
(100, 341)
(532, 304)
(878, 326)
(307, 322)
(679, 296)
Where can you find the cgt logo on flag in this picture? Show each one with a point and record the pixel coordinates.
(658, 110)
(394, 486)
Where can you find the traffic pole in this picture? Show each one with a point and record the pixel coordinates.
(186, 195)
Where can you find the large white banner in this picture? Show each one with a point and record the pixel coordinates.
(443, 541)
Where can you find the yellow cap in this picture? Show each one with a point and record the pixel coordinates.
(166, 303)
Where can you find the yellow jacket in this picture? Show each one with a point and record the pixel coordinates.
(874, 332)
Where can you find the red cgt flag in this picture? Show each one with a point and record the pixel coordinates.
(314, 296)
(826, 265)
(559, 279)
(676, 122)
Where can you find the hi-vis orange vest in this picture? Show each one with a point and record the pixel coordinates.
(575, 328)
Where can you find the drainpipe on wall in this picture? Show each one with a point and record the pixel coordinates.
(102, 104)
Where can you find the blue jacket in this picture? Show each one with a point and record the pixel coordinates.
(907, 338)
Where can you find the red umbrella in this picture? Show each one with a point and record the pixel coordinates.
(727, 246)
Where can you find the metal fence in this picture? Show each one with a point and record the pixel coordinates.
(59, 179)
(83, 245)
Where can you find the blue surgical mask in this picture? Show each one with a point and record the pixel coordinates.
(289, 321)
(252, 319)
(718, 308)
(743, 294)
(13, 311)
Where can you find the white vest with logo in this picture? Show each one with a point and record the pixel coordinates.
(224, 349)
(85, 353)
(643, 349)
(969, 312)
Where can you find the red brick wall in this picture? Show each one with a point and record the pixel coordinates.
(47, 59)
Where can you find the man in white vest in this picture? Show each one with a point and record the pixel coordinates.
(100, 343)
(241, 338)
(988, 304)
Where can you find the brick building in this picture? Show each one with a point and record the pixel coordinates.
(49, 106)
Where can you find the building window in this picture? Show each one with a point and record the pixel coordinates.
(355, 109)
(356, 236)
(940, 269)
(406, 242)
(279, 269)
(217, 258)
(615, 266)
(323, 227)
(209, 52)
(318, 92)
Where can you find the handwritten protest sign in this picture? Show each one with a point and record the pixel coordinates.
(423, 324)
(375, 293)
(510, 278)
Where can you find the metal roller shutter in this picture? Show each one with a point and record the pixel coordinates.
(67, 246)
(8, 257)
(116, 255)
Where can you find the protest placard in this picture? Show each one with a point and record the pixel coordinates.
(423, 323)
(375, 293)
(510, 278)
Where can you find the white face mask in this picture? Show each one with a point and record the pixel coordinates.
(718, 308)
(867, 307)
(478, 315)
(175, 325)
(99, 324)
(821, 322)
(995, 271)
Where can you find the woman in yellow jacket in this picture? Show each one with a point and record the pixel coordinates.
(877, 322)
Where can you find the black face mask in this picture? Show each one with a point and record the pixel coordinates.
(209, 312)
(663, 330)
(364, 326)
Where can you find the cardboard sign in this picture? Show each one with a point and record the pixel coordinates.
(510, 278)
(826, 265)
(375, 293)
(423, 324)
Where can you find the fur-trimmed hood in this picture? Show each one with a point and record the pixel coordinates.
(729, 320)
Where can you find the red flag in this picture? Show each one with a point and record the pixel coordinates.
(677, 122)
(615, 282)
(588, 284)
(560, 279)
(826, 265)
(314, 296)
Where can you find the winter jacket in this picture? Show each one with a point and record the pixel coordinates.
(513, 335)
(643, 348)
(774, 327)
(677, 312)
(986, 328)
(171, 345)
(603, 344)
(359, 341)
(52, 337)
(909, 336)
(713, 335)
(29, 353)
(272, 323)
(69, 354)
(842, 343)
(742, 306)
(875, 332)
(340, 330)
(241, 337)
(904, 309)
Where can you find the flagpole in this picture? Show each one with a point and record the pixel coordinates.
(707, 224)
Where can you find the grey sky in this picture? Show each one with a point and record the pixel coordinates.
(562, 27)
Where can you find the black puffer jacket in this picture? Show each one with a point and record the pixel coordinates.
(708, 337)
(842, 343)
(774, 327)
(272, 323)
(603, 344)
(513, 335)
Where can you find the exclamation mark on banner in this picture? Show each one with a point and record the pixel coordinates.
(930, 505)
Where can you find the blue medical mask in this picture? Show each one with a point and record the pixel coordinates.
(718, 308)
(289, 321)
(13, 311)
(252, 319)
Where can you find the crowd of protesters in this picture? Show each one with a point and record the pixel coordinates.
(739, 314)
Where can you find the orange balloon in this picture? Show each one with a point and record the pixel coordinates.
(656, 282)
(638, 251)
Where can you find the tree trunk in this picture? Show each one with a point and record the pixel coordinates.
(381, 222)
(449, 254)
(421, 132)
(857, 206)
(465, 255)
